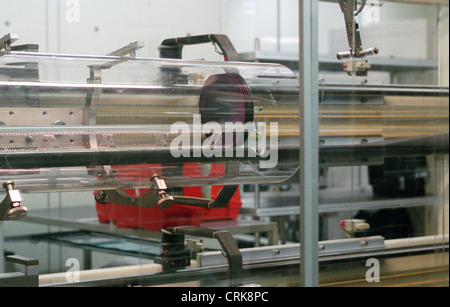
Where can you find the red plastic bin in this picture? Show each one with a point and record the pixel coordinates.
(177, 215)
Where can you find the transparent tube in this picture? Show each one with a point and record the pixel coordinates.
(66, 120)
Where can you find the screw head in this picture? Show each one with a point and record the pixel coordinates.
(29, 139)
(17, 213)
(8, 184)
(165, 202)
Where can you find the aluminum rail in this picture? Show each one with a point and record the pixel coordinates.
(394, 248)
(390, 90)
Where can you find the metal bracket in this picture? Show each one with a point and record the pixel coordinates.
(7, 40)
(155, 196)
(30, 277)
(226, 241)
(104, 171)
(128, 49)
(360, 67)
(354, 226)
(95, 77)
(92, 100)
(10, 207)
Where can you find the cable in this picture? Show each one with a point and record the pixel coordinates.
(363, 4)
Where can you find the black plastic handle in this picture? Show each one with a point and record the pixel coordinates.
(172, 48)
(221, 201)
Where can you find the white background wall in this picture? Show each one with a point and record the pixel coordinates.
(101, 26)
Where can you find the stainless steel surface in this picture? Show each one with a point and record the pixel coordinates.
(58, 119)
(309, 142)
(292, 251)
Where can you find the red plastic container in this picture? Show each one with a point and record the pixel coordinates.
(177, 215)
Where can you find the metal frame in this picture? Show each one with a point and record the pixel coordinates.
(29, 278)
(282, 259)
(309, 142)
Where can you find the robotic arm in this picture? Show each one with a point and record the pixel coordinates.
(350, 11)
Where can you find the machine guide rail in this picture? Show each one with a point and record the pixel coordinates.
(283, 259)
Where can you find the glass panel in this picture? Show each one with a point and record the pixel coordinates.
(394, 135)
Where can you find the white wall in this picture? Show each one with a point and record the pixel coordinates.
(101, 26)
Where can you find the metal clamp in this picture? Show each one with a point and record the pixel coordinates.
(357, 53)
(10, 207)
(348, 8)
(155, 196)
